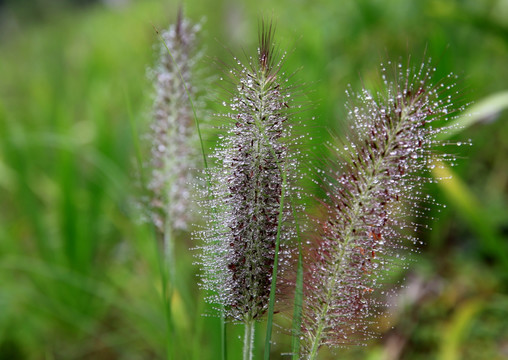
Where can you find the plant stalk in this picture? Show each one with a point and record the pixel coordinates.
(248, 341)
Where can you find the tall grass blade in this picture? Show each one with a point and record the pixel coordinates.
(298, 302)
(271, 302)
(135, 138)
(224, 348)
(484, 110)
(468, 206)
(191, 103)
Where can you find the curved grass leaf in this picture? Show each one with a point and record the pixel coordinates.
(482, 111)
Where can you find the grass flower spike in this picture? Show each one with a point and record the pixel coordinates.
(377, 188)
(174, 139)
(173, 145)
(250, 210)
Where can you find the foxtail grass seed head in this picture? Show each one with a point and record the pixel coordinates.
(372, 197)
(254, 162)
(174, 140)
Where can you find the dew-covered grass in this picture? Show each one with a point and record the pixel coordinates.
(80, 275)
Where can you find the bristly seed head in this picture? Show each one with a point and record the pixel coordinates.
(252, 160)
(373, 195)
(173, 138)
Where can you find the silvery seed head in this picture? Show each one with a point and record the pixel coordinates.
(254, 164)
(173, 138)
(372, 196)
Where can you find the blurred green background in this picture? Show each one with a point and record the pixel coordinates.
(78, 273)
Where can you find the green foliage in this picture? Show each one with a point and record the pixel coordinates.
(79, 275)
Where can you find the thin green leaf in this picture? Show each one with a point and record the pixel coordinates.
(483, 110)
(135, 137)
(457, 329)
(470, 209)
(224, 348)
(271, 303)
(297, 313)
(196, 120)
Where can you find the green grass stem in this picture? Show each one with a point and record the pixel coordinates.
(271, 303)
(248, 340)
(298, 301)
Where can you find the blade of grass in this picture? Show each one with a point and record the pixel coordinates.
(27, 198)
(135, 138)
(271, 303)
(196, 120)
(469, 207)
(223, 332)
(483, 110)
(457, 328)
(297, 313)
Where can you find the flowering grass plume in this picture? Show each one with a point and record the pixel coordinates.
(371, 197)
(255, 172)
(174, 140)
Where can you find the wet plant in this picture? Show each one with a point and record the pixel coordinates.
(174, 143)
(249, 216)
(375, 191)
(371, 196)
(174, 139)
